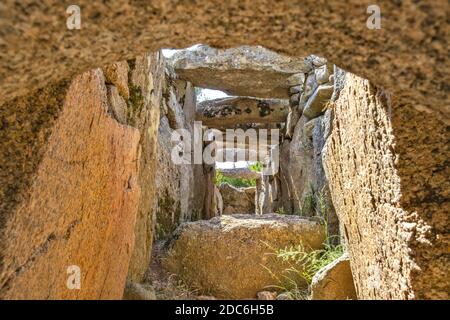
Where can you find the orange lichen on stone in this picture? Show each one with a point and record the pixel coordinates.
(81, 207)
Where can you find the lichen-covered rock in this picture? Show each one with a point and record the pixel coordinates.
(117, 74)
(390, 160)
(143, 110)
(334, 281)
(243, 71)
(411, 32)
(316, 103)
(323, 73)
(237, 200)
(218, 200)
(302, 185)
(241, 110)
(179, 187)
(81, 207)
(117, 105)
(228, 256)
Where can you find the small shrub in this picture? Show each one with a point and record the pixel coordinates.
(235, 182)
(257, 166)
(307, 264)
(302, 265)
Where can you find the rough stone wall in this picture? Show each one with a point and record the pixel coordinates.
(237, 200)
(303, 185)
(168, 180)
(407, 56)
(146, 81)
(90, 155)
(303, 174)
(177, 197)
(387, 164)
(267, 194)
(81, 204)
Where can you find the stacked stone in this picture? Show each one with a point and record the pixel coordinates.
(309, 92)
(307, 127)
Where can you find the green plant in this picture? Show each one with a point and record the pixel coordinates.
(257, 166)
(280, 210)
(302, 265)
(307, 263)
(235, 182)
(314, 204)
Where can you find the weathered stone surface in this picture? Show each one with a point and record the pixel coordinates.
(179, 187)
(268, 195)
(241, 110)
(168, 184)
(210, 207)
(297, 79)
(323, 73)
(294, 99)
(286, 203)
(310, 85)
(296, 89)
(334, 281)
(315, 61)
(243, 71)
(218, 201)
(316, 103)
(195, 204)
(320, 133)
(81, 206)
(411, 33)
(237, 200)
(390, 160)
(175, 113)
(117, 74)
(338, 82)
(303, 187)
(28, 60)
(117, 105)
(146, 81)
(226, 255)
(246, 126)
(292, 119)
(264, 134)
(300, 173)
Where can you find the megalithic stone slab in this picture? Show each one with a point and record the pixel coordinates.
(230, 256)
(241, 110)
(244, 71)
(316, 102)
(256, 126)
